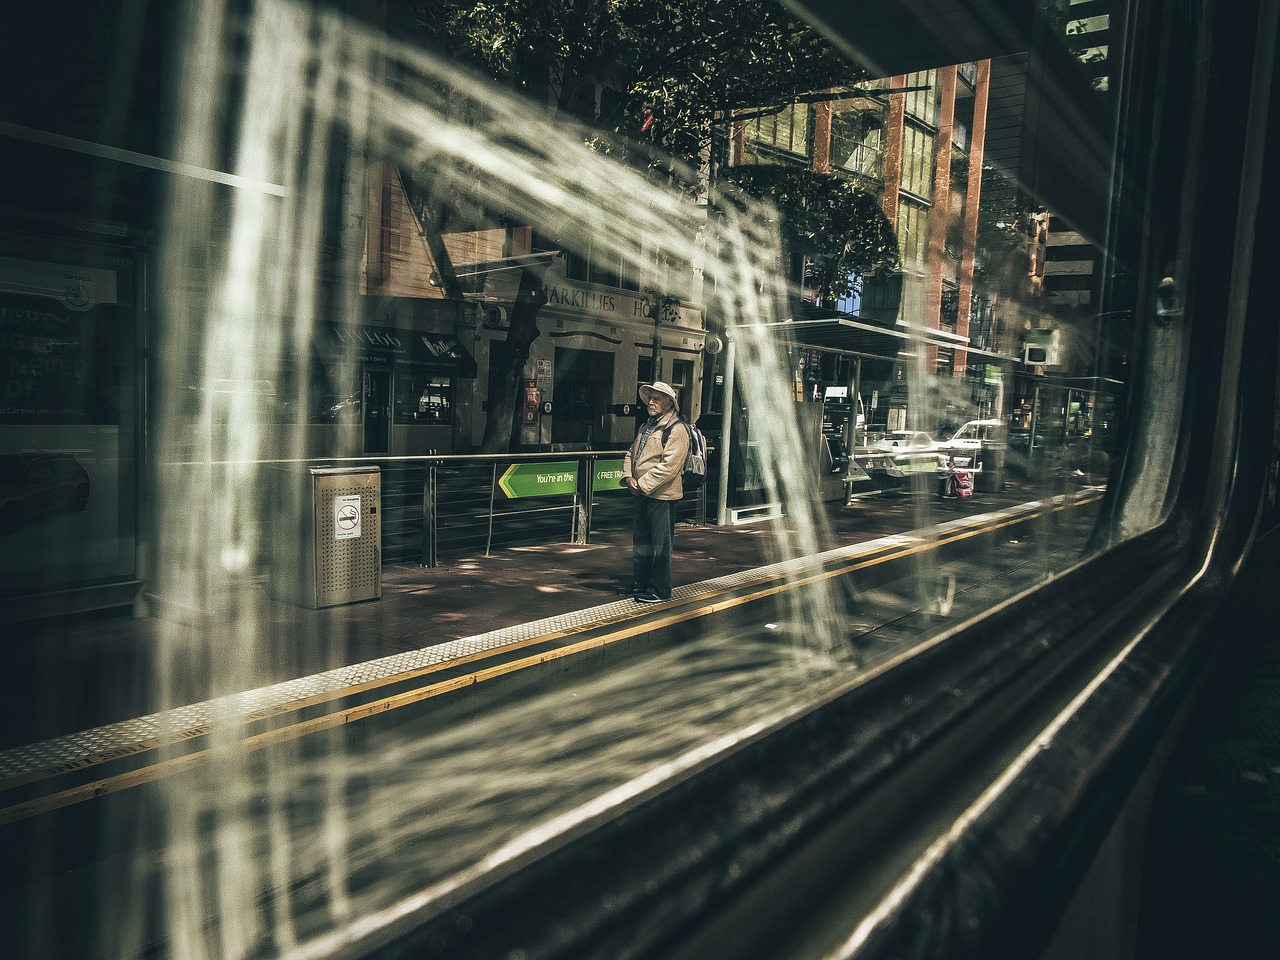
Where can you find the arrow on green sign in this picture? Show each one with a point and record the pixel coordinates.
(608, 473)
(539, 479)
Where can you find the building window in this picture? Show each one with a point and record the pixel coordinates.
(671, 275)
(946, 361)
(786, 131)
(879, 294)
(922, 104)
(857, 141)
(598, 265)
(682, 381)
(917, 162)
(913, 240)
(644, 374)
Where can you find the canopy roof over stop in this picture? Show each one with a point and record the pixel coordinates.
(848, 334)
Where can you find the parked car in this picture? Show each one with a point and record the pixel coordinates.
(965, 446)
(898, 454)
(906, 441)
(36, 483)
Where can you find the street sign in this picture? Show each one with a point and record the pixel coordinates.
(608, 473)
(623, 409)
(539, 479)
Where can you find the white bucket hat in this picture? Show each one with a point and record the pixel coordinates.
(665, 389)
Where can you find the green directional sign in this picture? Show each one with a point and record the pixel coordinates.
(539, 479)
(607, 477)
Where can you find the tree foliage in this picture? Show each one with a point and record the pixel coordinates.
(556, 51)
(837, 225)
(660, 70)
(1007, 220)
(697, 60)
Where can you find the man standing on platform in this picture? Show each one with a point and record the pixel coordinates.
(652, 471)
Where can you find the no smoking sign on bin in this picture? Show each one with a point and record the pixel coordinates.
(346, 518)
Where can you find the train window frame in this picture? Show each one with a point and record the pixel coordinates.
(954, 798)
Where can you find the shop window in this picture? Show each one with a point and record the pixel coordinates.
(424, 398)
(335, 393)
(70, 386)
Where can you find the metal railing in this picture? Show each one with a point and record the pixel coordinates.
(446, 505)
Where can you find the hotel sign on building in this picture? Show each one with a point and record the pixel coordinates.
(566, 297)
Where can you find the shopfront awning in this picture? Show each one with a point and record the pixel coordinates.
(440, 351)
(392, 347)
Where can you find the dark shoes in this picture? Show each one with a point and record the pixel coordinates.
(641, 595)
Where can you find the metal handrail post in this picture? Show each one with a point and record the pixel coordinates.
(726, 432)
(493, 487)
(589, 498)
(430, 503)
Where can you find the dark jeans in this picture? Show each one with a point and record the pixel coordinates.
(653, 526)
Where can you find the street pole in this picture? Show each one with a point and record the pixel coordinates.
(726, 434)
(855, 401)
(657, 341)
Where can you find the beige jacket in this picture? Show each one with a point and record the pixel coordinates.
(657, 468)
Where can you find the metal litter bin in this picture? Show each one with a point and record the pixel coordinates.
(990, 459)
(330, 550)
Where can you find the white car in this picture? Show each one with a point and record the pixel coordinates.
(965, 444)
(902, 452)
(906, 441)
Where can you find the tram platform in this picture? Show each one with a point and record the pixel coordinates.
(95, 670)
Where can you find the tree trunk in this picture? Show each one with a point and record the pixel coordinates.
(502, 422)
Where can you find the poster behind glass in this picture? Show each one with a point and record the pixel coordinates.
(68, 382)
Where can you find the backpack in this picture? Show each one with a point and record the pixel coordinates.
(695, 465)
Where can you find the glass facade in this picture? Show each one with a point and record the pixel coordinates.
(69, 335)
